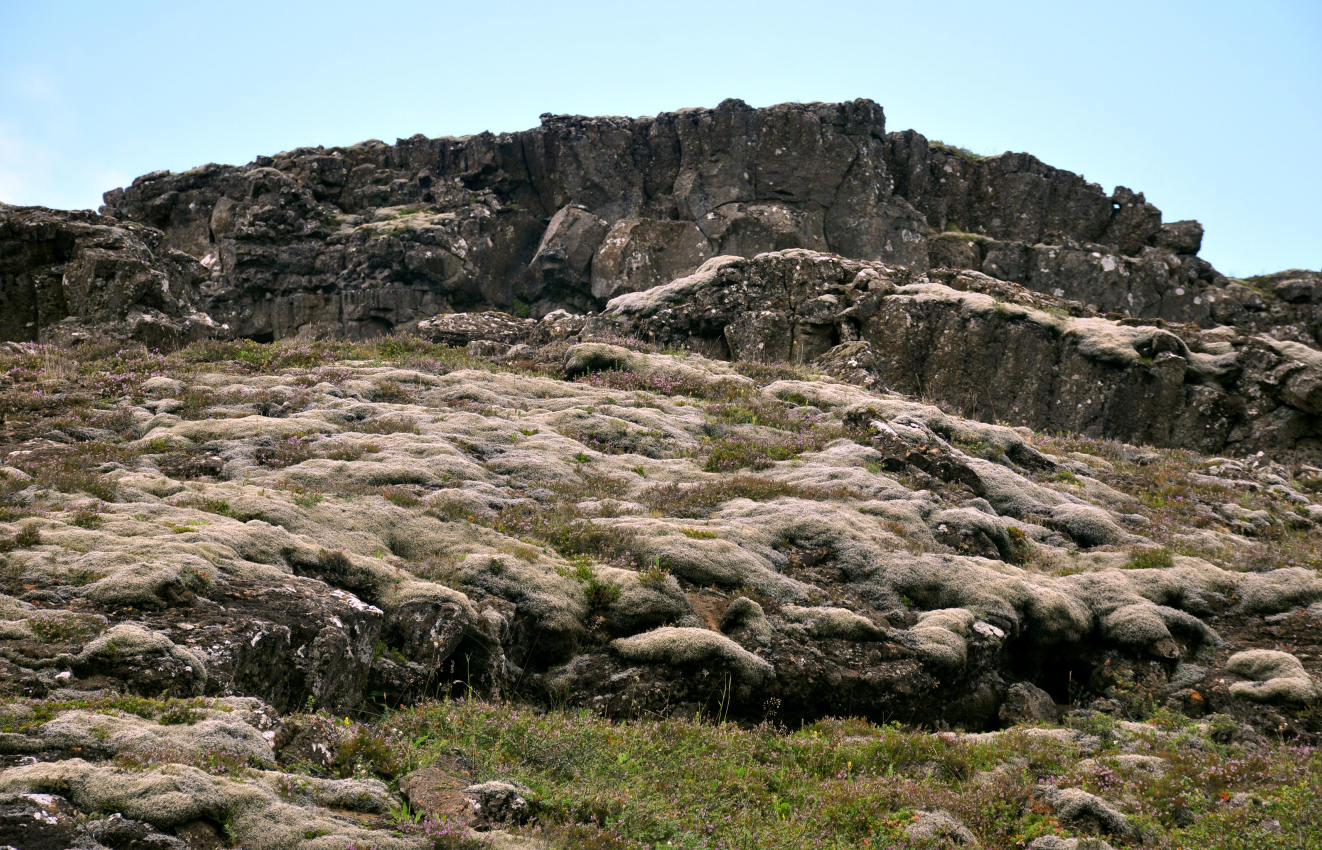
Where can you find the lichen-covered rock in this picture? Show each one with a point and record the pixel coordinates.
(1271, 676)
(372, 532)
(41, 822)
(1087, 812)
(1055, 842)
(499, 802)
(149, 660)
(940, 825)
(130, 736)
(173, 795)
(682, 646)
(460, 329)
(1128, 381)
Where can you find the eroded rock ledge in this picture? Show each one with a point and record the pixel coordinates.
(993, 350)
(70, 277)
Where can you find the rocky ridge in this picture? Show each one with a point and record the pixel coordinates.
(362, 240)
(371, 237)
(798, 407)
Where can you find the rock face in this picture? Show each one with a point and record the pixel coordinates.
(360, 240)
(370, 237)
(569, 214)
(71, 277)
(992, 349)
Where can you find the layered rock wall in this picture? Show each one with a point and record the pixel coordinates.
(995, 351)
(578, 210)
(70, 276)
(565, 215)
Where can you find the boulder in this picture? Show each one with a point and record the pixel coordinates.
(564, 255)
(639, 254)
(940, 826)
(1027, 703)
(498, 802)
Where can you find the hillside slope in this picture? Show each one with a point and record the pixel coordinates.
(241, 531)
(728, 478)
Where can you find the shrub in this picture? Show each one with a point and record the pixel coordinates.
(658, 383)
(368, 752)
(349, 452)
(569, 533)
(771, 413)
(26, 537)
(392, 392)
(222, 508)
(196, 461)
(75, 468)
(1150, 558)
(288, 452)
(740, 451)
(700, 499)
(29, 535)
(653, 576)
(600, 593)
(388, 425)
(400, 496)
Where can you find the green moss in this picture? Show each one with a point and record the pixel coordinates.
(962, 153)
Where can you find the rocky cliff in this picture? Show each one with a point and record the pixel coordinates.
(567, 215)
(72, 277)
(990, 349)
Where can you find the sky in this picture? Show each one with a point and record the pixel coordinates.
(1212, 109)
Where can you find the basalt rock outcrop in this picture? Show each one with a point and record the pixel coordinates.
(70, 277)
(360, 240)
(1041, 362)
(371, 237)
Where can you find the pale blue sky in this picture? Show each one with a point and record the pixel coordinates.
(1213, 109)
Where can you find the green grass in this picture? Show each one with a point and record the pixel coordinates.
(840, 783)
(1150, 558)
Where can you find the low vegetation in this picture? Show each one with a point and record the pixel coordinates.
(841, 783)
(567, 512)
